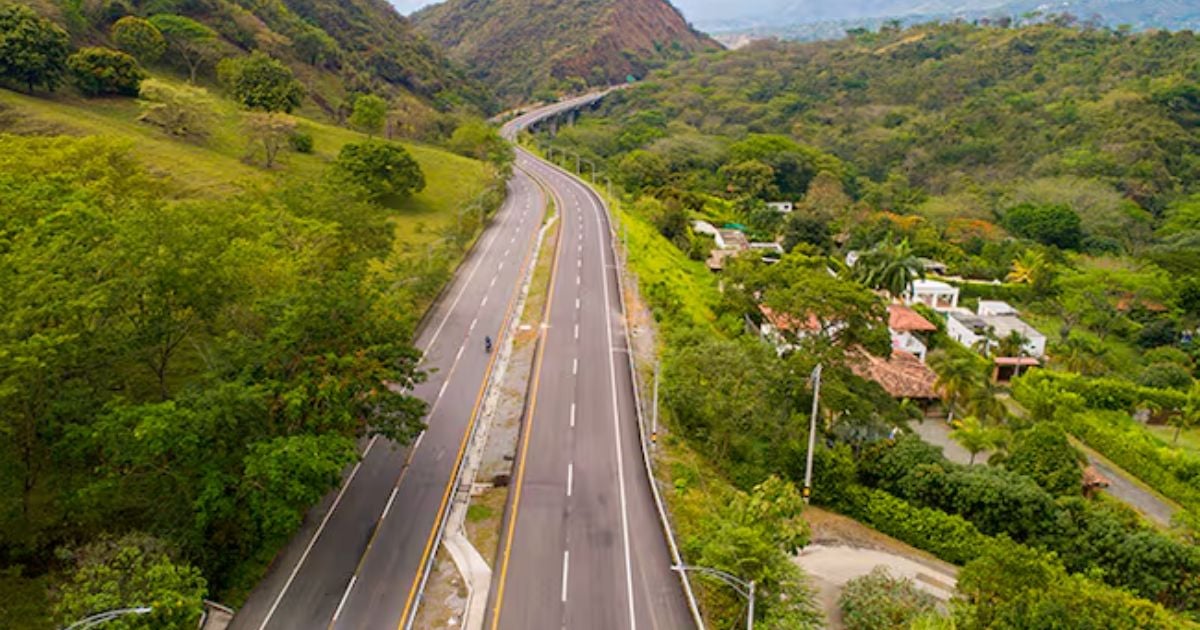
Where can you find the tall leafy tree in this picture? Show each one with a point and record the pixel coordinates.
(958, 375)
(193, 42)
(975, 436)
(99, 71)
(369, 115)
(33, 50)
(139, 38)
(381, 169)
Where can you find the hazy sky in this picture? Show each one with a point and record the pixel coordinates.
(687, 6)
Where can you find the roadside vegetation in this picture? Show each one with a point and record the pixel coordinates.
(1045, 166)
(209, 302)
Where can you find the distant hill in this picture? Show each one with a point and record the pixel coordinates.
(335, 46)
(521, 47)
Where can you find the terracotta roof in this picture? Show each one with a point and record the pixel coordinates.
(902, 376)
(786, 322)
(904, 319)
(1093, 479)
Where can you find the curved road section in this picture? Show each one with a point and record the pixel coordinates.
(359, 559)
(582, 547)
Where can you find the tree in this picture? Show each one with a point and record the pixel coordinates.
(315, 46)
(889, 266)
(288, 473)
(192, 41)
(802, 228)
(975, 436)
(370, 112)
(139, 38)
(261, 82)
(1043, 453)
(477, 139)
(33, 50)
(751, 178)
(100, 71)
(832, 318)
(180, 110)
(1055, 225)
(134, 570)
(269, 132)
(1012, 345)
(1045, 401)
(642, 169)
(958, 375)
(381, 168)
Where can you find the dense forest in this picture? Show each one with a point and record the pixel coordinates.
(524, 48)
(1050, 166)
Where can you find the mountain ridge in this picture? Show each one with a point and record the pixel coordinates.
(523, 47)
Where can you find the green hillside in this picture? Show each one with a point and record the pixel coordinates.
(191, 342)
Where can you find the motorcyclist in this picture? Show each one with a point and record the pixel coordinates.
(487, 344)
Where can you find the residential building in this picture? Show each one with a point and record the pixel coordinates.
(907, 328)
(984, 331)
(902, 376)
(932, 293)
(731, 239)
(783, 207)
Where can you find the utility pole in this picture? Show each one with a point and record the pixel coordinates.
(812, 433)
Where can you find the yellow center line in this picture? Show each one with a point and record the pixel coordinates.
(537, 374)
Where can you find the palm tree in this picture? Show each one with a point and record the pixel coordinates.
(975, 436)
(1034, 269)
(889, 266)
(1013, 345)
(958, 375)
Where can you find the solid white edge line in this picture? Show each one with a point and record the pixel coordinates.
(346, 595)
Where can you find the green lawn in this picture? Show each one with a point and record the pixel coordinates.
(216, 167)
(1189, 440)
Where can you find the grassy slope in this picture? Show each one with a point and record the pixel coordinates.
(215, 167)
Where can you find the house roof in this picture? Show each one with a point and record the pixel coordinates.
(1018, 361)
(923, 285)
(901, 376)
(1005, 325)
(787, 322)
(904, 319)
(734, 239)
(1093, 479)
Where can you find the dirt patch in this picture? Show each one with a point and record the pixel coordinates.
(444, 598)
(831, 529)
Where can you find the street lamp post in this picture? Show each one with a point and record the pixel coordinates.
(812, 433)
(108, 615)
(743, 588)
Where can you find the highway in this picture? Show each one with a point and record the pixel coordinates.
(582, 545)
(358, 559)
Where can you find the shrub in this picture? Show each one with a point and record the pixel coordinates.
(301, 142)
(1108, 393)
(100, 71)
(878, 601)
(949, 537)
(1044, 454)
(381, 168)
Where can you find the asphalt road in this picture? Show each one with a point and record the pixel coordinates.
(582, 546)
(357, 560)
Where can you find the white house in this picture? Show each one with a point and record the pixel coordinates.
(784, 207)
(932, 293)
(988, 308)
(905, 326)
(970, 329)
(704, 227)
(732, 240)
